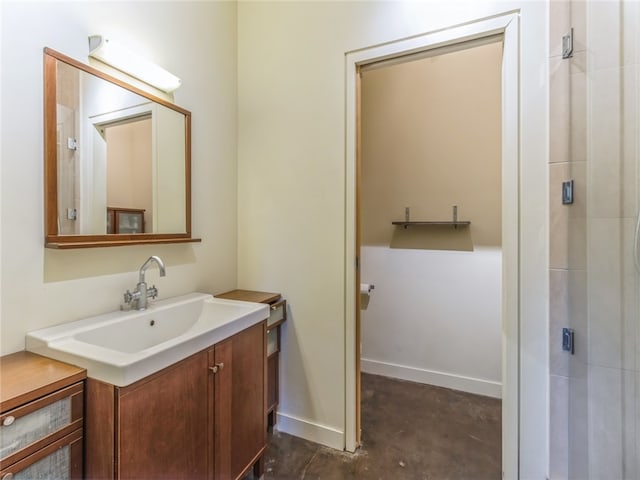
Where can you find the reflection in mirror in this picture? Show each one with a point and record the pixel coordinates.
(120, 162)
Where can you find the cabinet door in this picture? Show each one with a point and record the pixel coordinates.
(240, 402)
(170, 413)
(61, 460)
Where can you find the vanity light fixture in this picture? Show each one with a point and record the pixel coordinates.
(131, 63)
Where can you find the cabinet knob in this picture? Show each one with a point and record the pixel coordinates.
(217, 367)
(8, 421)
(274, 307)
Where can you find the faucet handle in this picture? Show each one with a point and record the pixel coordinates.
(128, 297)
(152, 292)
(127, 301)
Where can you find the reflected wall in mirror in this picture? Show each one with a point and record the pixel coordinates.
(117, 161)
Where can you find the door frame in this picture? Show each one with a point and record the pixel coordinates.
(508, 26)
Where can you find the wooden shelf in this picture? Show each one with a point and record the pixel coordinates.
(250, 296)
(423, 224)
(118, 243)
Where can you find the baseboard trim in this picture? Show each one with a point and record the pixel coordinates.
(440, 379)
(314, 432)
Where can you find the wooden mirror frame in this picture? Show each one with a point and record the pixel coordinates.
(52, 237)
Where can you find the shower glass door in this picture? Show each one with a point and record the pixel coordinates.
(602, 276)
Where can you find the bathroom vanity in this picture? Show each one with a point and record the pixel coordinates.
(42, 404)
(177, 390)
(200, 418)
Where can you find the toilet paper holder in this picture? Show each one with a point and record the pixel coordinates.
(366, 288)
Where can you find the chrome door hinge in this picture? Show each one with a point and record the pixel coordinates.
(568, 340)
(567, 44)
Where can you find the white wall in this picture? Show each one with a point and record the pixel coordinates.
(434, 317)
(195, 40)
(291, 154)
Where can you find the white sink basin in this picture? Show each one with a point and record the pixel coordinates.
(123, 347)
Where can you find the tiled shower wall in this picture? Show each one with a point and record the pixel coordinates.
(594, 140)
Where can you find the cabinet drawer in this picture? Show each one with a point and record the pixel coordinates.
(272, 382)
(278, 313)
(60, 460)
(29, 427)
(273, 341)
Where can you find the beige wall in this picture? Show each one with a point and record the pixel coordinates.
(129, 167)
(42, 287)
(430, 140)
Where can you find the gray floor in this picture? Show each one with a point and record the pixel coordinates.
(409, 431)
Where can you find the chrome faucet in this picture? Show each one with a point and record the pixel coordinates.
(138, 298)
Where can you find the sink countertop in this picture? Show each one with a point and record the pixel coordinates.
(119, 348)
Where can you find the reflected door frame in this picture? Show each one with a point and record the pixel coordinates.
(94, 173)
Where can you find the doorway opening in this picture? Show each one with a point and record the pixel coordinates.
(504, 30)
(430, 245)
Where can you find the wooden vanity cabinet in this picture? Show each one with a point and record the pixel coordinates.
(42, 405)
(240, 402)
(277, 316)
(201, 418)
(172, 411)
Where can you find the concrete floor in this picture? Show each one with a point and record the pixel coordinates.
(409, 431)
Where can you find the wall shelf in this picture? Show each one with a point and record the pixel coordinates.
(120, 240)
(455, 224)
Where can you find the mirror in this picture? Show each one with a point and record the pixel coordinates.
(117, 161)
